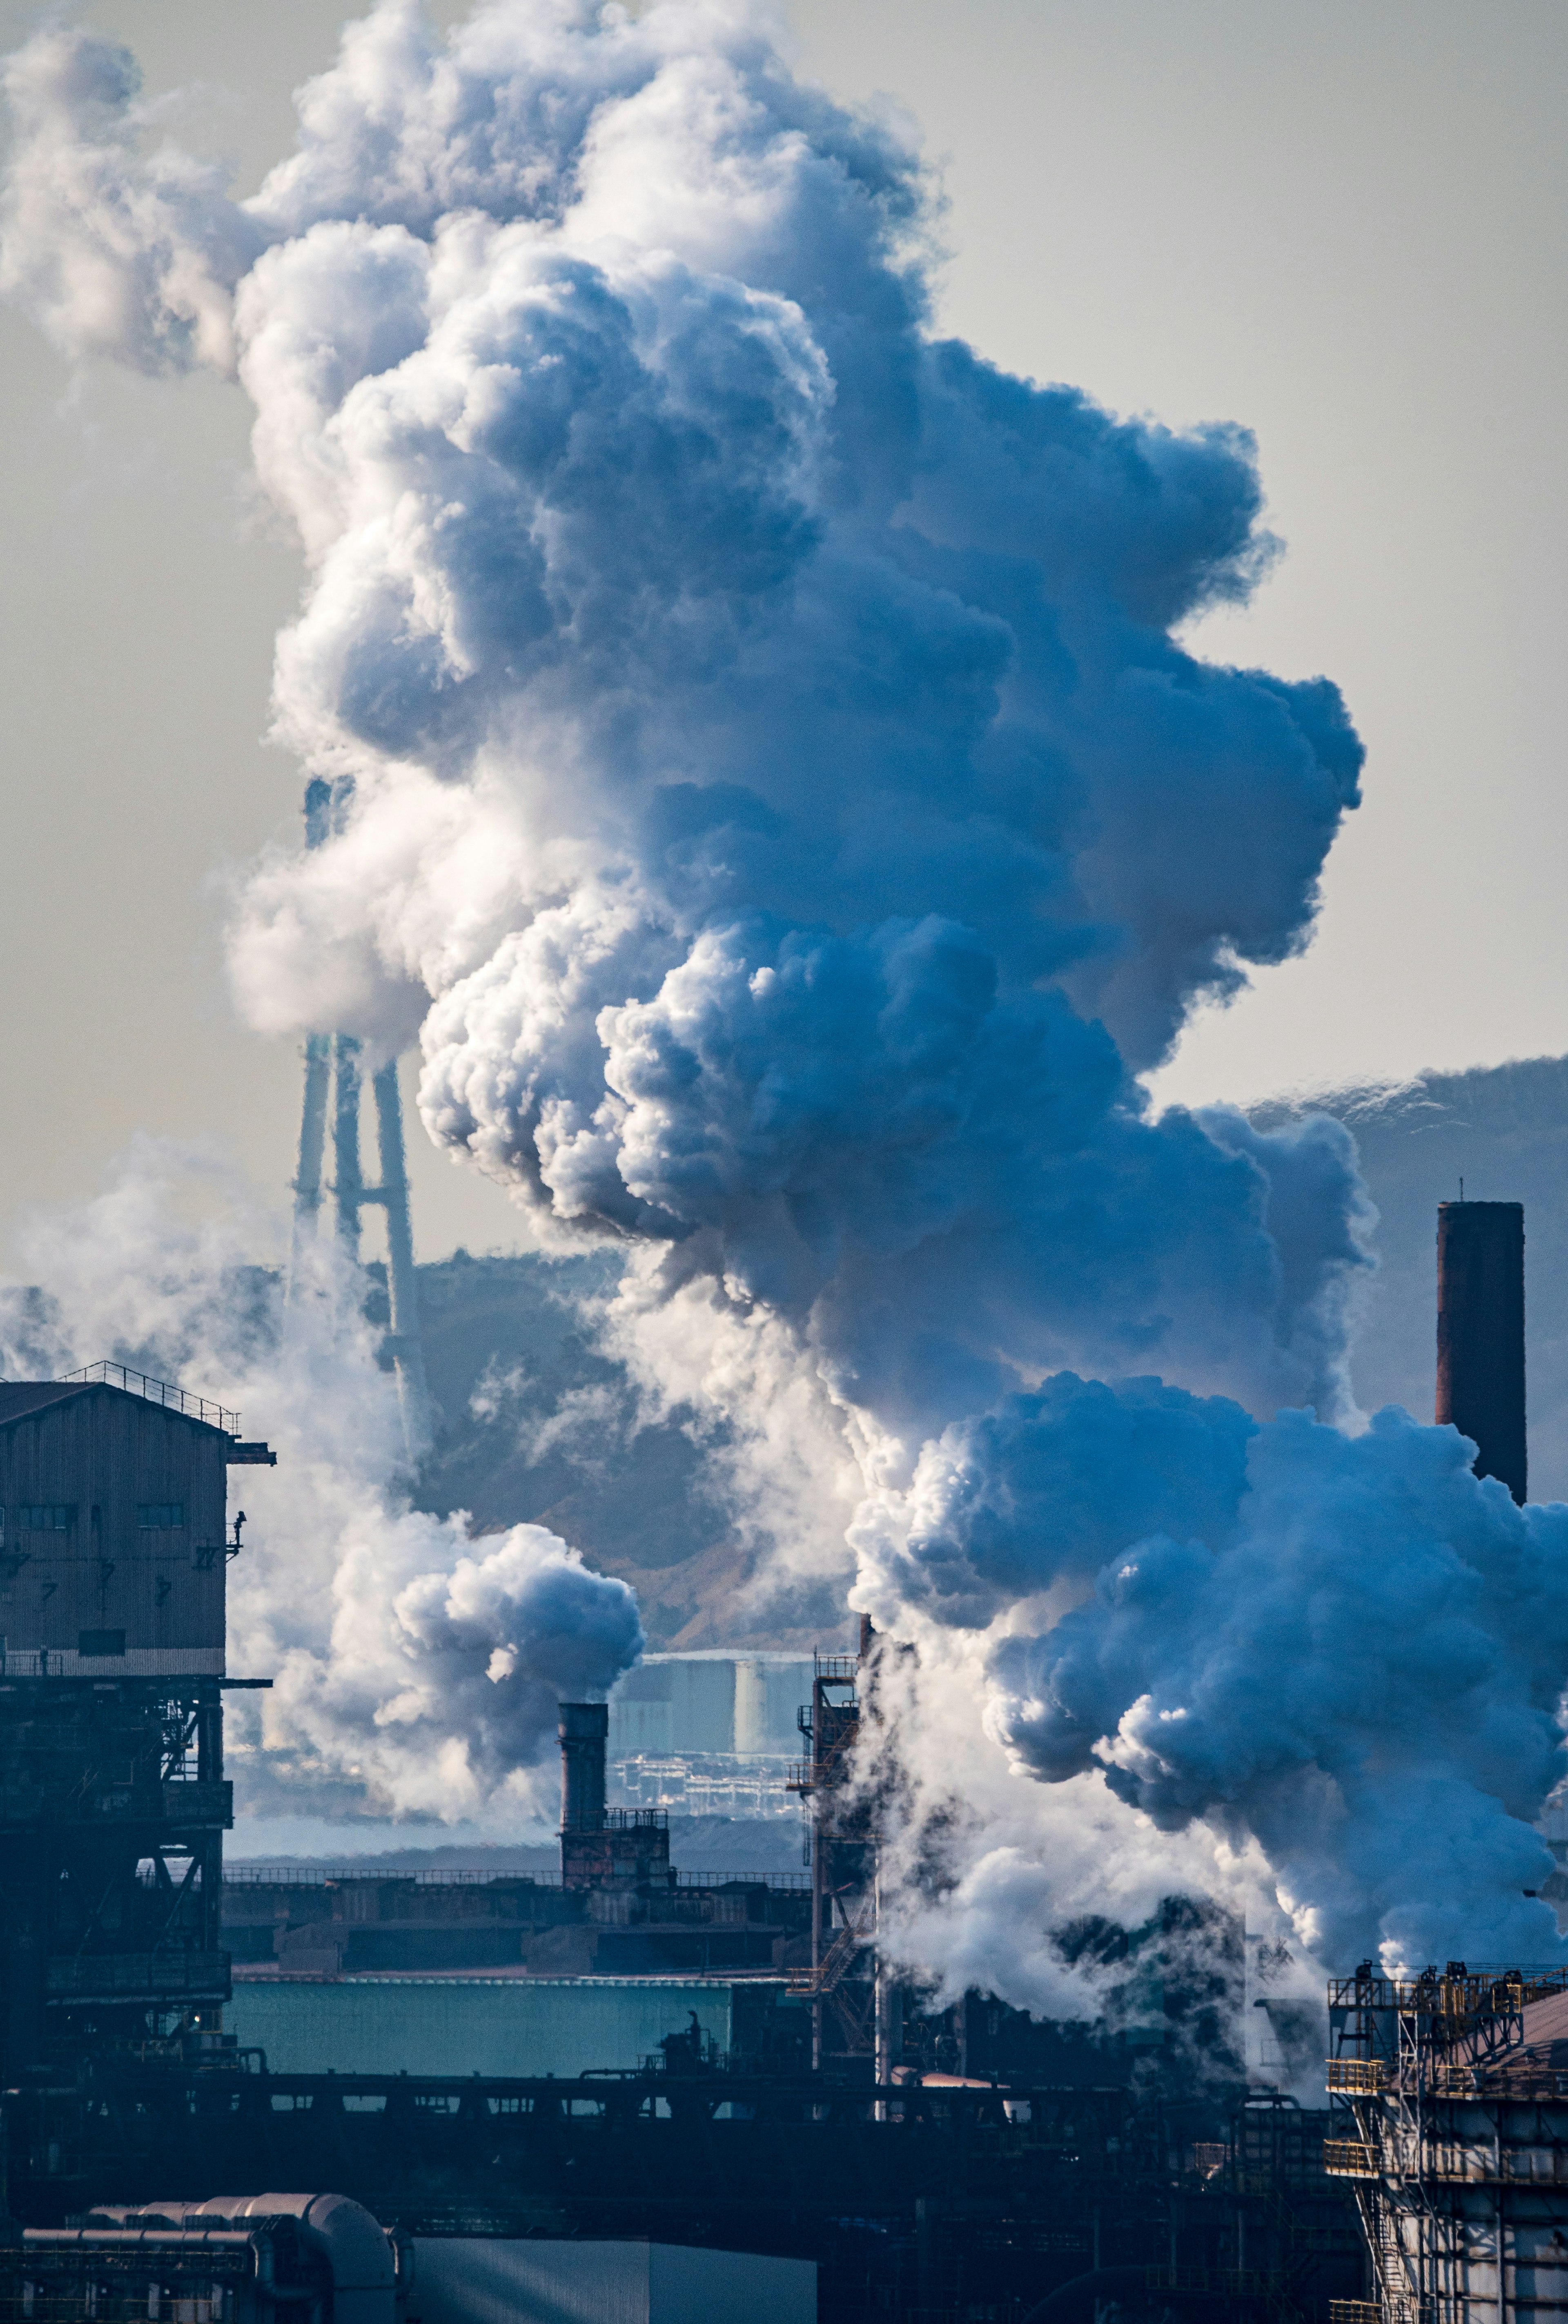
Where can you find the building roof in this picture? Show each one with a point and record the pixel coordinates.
(20, 1399)
(1545, 2028)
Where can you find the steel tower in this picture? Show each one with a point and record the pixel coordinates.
(333, 1074)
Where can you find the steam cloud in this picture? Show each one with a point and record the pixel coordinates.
(786, 816)
(416, 1670)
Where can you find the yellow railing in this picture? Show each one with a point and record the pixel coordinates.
(1358, 2077)
(1348, 2158)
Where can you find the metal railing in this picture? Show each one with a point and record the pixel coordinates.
(1358, 2077)
(826, 1975)
(1485, 2163)
(794, 1883)
(1349, 2158)
(27, 1664)
(113, 1975)
(1463, 1992)
(316, 1876)
(157, 1391)
(1501, 2078)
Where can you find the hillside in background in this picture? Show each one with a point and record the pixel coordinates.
(538, 1426)
(725, 1844)
(1504, 1128)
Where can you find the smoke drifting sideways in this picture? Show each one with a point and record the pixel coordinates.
(1339, 1654)
(788, 818)
(416, 1670)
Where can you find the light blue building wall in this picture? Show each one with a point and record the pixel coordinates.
(459, 2280)
(474, 2025)
(710, 1702)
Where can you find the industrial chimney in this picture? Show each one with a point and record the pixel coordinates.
(583, 1727)
(604, 1848)
(1481, 1334)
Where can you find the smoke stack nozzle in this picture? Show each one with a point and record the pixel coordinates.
(1481, 1334)
(585, 1728)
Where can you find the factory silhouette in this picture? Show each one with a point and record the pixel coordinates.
(771, 2097)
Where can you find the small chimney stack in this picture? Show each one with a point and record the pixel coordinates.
(1481, 1334)
(584, 1730)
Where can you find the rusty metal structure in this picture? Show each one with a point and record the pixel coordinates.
(607, 1849)
(1480, 1335)
(916, 2201)
(1452, 2131)
(841, 1980)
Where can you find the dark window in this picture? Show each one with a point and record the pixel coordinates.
(46, 1516)
(160, 1516)
(100, 1642)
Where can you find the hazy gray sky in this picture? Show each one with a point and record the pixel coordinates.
(1341, 225)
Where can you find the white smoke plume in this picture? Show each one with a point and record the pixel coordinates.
(788, 818)
(416, 1670)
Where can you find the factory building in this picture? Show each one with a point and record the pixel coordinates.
(619, 2053)
(1451, 2089)
(486, 2023)
(239, 2260)
(114, 1545)
(113, 1529)
(694, 1705)
(1452, 2097)
(595, 1968)
(708, 1734)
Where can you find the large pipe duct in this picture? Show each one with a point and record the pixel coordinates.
(1481, 1334)
(359, 2256)
(584, 1730)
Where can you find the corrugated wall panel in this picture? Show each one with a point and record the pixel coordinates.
(104, 1455)
(467, 2026)
(463, 2279)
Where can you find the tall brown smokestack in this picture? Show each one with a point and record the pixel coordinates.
(582, 1730)
(1481, 1332)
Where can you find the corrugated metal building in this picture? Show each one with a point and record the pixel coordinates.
(710, 1703)
(479, 2024)
(112, 1529)
(502, 2280)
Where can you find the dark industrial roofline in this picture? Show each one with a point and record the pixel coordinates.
(157, 1391)
(119, 1379)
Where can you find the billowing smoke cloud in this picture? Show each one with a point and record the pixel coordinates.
(417, 1670)
(785, 813)
(1347, 1649)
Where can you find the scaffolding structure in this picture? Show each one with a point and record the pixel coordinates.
(845, 2012)
(333, 1082)
(112, 1807)
(1453, 2134)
